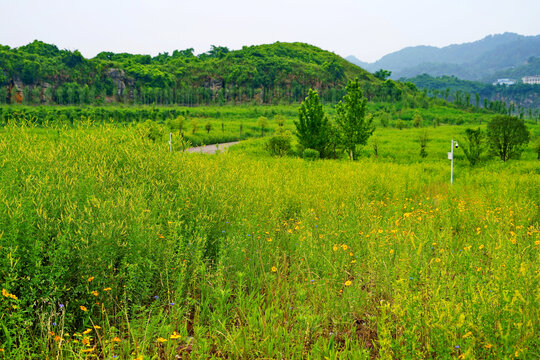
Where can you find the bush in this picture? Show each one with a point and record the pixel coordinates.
(150, 130)
(280, 143)
(311, 154)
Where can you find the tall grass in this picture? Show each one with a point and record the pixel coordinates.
(111, 246)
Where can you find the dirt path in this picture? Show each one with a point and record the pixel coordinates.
(211, 149)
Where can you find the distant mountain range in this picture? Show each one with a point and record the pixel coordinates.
(495, 56)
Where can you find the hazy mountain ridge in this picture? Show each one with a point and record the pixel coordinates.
(478, 60)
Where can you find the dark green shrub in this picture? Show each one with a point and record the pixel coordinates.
(280, 143)
(311, 154)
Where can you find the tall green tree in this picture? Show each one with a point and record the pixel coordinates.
(312, 127)
(354, 126)
(507, 136)
(473, 147)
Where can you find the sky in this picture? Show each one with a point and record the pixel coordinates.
(365, 29)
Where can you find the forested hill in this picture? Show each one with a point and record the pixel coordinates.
(274, 73)
(478, 60)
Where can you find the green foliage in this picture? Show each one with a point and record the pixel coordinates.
(280, 143)
(150, 130)
(194, 126)
(417, 119)
(355, 129)
(262, 122)
(423, 140)
(208, 127)
(382, 74)
(400, 124)
(474, 146)
(311, 154)
(312, 127)
(507, 136)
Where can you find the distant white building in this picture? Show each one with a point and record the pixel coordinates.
(504, 82)
(535, 79)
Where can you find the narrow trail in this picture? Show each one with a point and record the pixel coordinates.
(211, 149)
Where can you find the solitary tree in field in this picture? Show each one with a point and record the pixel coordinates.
(507, 136)
(312, 127)
(263, 123)
(351, 120)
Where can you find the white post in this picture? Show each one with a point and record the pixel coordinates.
(170, 142)
(452, 162)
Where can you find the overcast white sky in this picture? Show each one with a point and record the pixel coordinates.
(366, 29)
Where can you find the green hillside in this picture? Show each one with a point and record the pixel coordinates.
(276, 73)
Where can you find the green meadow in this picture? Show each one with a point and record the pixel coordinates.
(112, 247)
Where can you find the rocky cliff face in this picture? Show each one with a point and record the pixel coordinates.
(122, 82)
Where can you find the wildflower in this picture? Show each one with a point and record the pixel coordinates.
(115, 339)
(269, 239)
(348, 283)
(61, 306)
(87, 331)
(107, 289)
(274, 269)
(488, 346)
(90, 278)
(161, 340)
(335, 248)
(140, 357)
(156, 297)
(53, 324)
(344, 247)
(8, 295)
(437, 260)
(480, 247)
(171, 304)
(391, 251)
(161, 236)
(88, 350)
(83, 308)
(97, 327)
(57, 338)
(95, 293)
(175, 335)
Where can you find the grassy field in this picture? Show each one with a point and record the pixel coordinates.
(112, 247)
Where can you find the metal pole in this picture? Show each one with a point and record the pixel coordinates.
(452, 163)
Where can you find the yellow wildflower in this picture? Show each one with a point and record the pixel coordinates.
(107, 289)
(161, 340)
(348, 283)
(83, 308)
(87, 331)
(115, 339)
(175, 335)
(88, 350)
(97, 327)
(90, 278)
(95, 293)
(274, 269)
